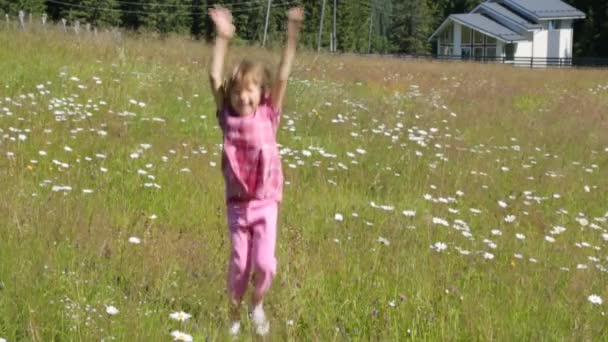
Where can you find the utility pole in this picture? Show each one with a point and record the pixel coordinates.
(266, 24)
(335, 40)
(321, 26)
(369, 36)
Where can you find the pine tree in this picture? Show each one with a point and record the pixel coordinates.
(413, 24)
(199, 18)
(12, 7)
(168, 16)
(101, 12)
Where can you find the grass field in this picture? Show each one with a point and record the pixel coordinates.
(423, 200)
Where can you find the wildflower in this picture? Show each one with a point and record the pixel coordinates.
(134, 240)
(438, 220)
(557, 230)
(111, 310)
(180, 316)
(520, 236)
(502, 204)
(488, 256)
(409, 213)
(549, 239)
(57, 188)
(338, 217)
(439, 246)
(510, 218)
(180, 336)
(595, 299)
(383, 241)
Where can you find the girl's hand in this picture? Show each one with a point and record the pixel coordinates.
(295, 14)
(222, 18)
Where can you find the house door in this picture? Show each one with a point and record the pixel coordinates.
(510, 51)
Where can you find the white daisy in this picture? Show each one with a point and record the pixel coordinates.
(111, 310)
(180, 316)
(595, 299)
(181, 336)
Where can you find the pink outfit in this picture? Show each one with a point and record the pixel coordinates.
(250, 160)
(253, 232)
(254, 182)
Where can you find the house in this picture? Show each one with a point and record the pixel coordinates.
(510, 30)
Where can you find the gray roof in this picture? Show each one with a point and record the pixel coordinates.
(484, 24)
(545, 9)
(508, 15)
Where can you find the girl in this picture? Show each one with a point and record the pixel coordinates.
(248, 110)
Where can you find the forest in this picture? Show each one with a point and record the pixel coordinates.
(360, 26)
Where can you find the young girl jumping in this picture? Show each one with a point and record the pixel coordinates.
(248, 109)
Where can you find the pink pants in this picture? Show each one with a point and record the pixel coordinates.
(253, 232)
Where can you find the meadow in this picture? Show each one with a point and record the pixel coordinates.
(423, 200)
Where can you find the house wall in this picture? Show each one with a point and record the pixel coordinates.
(559, 42)
(457, 39)
(566, 39)
(523, 50)
(540, 42)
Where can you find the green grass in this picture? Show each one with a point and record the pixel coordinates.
(65, 255)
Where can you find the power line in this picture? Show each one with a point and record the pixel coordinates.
(149, 12)
(183, 5)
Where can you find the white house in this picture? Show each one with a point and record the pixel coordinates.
(510, 30)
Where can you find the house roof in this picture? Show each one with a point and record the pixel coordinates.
(494, 8)
(482, 24)
(545, 9)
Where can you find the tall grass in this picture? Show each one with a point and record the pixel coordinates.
(131, 119)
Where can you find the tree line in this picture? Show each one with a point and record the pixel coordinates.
(363, 26)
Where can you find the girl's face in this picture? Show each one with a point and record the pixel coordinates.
(245, 98)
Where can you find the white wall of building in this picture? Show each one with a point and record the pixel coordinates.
(566, 39)
(540, 43)
(457, 39)
(523, 49)
(560, 41)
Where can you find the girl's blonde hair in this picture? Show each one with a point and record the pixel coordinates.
(248, 71)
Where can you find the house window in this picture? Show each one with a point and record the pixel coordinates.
(491, 52)
(448, 35)
(490, 40)
(446, 50)
(510, 51)
(465, 52)
(478, 37)
(478, 52)
(466, 35)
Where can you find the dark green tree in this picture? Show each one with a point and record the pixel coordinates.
(412, 25)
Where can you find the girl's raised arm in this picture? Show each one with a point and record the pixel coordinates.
(222, 18)
(295, 16)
